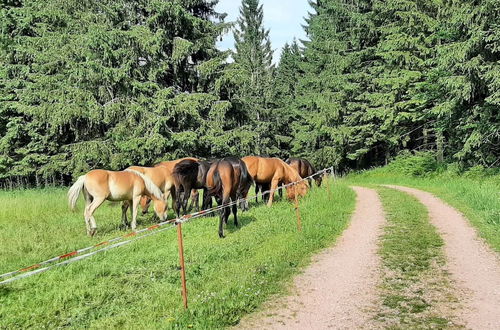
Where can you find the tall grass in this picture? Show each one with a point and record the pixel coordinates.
(138, 285)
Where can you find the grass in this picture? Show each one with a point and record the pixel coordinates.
(415, 285)
(477, 198)
(137, 285)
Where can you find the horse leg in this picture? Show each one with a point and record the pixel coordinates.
(125, 206)
(235, 210)
(265, 192)
(256, 192)
(166, 194)
(88, 201)
(195, 199)
(274, 185)
(89, 211)
(177, 200)
(185, 199)
(135, 208)
(223, 216)
(205, 199)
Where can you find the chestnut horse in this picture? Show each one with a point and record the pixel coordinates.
(101, 185)
(226, 179)
(274, 171)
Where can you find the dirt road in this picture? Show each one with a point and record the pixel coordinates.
(474, 267)
(340, 284)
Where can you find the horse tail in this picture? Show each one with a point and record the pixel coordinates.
(150, 186)
(74, 191)
(246, 179)
(217, 184)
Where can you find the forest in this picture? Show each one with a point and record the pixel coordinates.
(113, 83)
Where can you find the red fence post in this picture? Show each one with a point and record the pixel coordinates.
(183, 269)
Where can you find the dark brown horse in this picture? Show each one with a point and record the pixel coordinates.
(305, 169)
(226, 180)
(190, 175)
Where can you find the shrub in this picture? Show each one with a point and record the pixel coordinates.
(414, 164)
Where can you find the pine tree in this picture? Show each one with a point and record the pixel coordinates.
(253, 61)
(106, 84)
(466, 83)
(284, 89)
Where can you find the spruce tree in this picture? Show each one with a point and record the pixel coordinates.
(253, 61)
(107, 84)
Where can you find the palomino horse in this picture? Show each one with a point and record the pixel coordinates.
(274, 171)
(101, 185)
(225, 181)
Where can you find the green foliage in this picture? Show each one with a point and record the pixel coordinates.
(378, 77)
(115, 83)
(105, 84)
(418, 164)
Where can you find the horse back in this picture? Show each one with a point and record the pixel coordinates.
(113, 185)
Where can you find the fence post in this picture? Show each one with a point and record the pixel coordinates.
(327, 176)
(183, 269)
(297, 211)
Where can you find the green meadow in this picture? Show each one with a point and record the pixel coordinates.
(138, 285)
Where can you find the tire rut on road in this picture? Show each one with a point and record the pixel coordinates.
(474, 267)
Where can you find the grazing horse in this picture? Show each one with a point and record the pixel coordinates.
(305, 169)
(274, 171)
(246, 180)
(162, 175)
(101, 185)
(189, 176)
(204, 166)
(227, 178)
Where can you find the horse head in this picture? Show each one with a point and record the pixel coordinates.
(300, 189)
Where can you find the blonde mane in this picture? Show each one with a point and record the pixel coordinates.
(150, 186)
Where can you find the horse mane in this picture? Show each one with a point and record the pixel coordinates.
(150, 186)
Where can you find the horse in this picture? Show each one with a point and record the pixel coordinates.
(189, 176)
(274, 171)
(227, 178)
(162, 175)
(246, 181)
(305, 169)
(101, 185)
(204, 166)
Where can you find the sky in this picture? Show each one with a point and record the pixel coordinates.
(284, 19)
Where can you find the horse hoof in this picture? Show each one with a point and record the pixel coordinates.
(221, 235)
(92, 232)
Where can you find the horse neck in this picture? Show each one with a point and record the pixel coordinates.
(290, 174)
